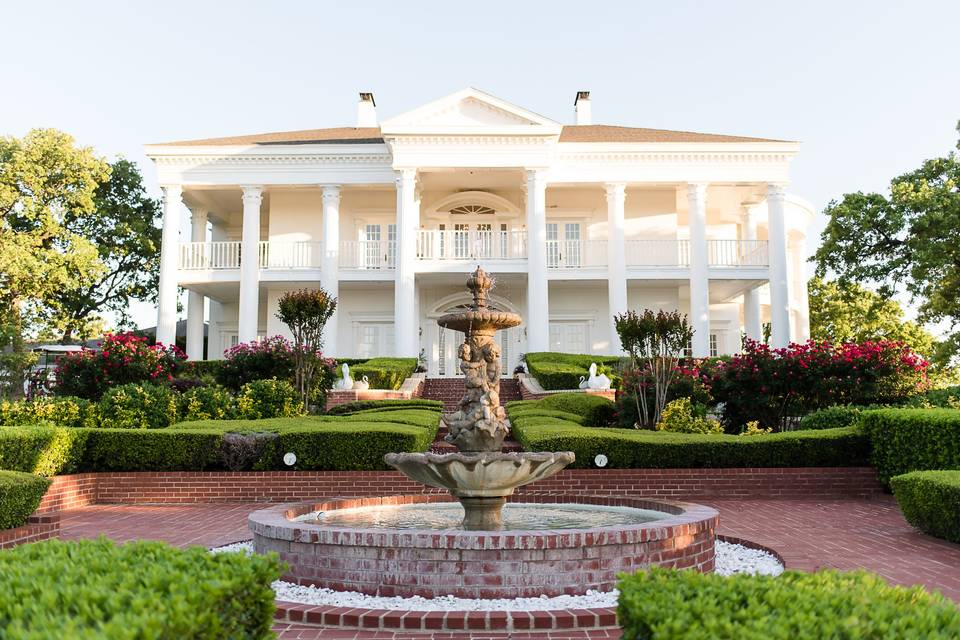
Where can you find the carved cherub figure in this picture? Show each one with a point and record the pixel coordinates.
(491, 356)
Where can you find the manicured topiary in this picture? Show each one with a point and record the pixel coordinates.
(832, 417)
(20, 495)
(151, 450)
(43, 450)
(666, 604)
(596, 411)
(268, 399)
(139, 406)
(383, 373)
(563, 370)
(95, 589)
(61, 411)
(930, 501)
(906, 440)
(383, 405)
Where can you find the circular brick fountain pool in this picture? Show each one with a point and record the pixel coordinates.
(510, 563)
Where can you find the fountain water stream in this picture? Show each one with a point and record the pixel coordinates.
(480, 476)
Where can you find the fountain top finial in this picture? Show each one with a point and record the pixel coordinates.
(479, 283)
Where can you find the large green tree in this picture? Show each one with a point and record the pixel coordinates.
(908, 240)
(852, 313)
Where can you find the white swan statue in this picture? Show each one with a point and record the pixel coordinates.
(361, 385)
(597, 382)
(583, 382)
(346, 382)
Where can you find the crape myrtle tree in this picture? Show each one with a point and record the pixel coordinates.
(907, 240)
(655, 342)
(306, 312)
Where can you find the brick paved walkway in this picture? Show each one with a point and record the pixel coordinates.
(809, 534)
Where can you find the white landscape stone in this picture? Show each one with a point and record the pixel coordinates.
(730, 559)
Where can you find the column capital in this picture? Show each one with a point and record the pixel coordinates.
(615, 190)
(172, 191)
(252, 193)
(331, 193)
(198, 213)
(403, 177)
(697, 190)
(535, 176)
(776, 191)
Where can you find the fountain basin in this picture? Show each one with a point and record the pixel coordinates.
(482, 564)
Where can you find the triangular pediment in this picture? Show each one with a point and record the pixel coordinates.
(470, 111)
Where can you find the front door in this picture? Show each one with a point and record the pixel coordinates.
(568, 337)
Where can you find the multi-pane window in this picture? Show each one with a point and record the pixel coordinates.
(714, 342)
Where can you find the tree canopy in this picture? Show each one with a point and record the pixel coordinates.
(908, 240)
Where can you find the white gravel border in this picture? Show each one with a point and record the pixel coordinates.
(730, 559)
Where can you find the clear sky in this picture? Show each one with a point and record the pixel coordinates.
(870, 88)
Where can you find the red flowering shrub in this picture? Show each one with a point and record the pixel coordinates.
(771, 385)
(123, 358)
(690, 380)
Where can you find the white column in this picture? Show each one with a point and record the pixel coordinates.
(751, 297)
(249, 315)
(798, 253)
(330, 269)
(616, 259)
(198, 233)
(779, 276)
(699, 275)
(538, 304)
(408, 219)
(169, 252)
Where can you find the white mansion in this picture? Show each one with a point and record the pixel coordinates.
(576, 222)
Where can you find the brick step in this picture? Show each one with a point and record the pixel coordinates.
(451, 390)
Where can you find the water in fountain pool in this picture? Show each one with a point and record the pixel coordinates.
(516, 516)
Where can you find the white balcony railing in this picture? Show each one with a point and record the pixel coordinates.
(434, 244)
(368, 254)
(473, 245)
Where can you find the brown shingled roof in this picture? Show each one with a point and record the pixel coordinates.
(372, 135)
(607, 133)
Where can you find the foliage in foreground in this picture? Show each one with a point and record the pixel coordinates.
(905, 440)
(20, 495)
(384, 405)
(95, 589)
(930, 501)
(666, 604)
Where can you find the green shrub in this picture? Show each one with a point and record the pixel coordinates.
(43, 450)
(20, 495)
(60, 411)
(138, 406)
(832, 417)
(563, 370)
(383, 373)
(930, 501)
(383, 405)
(207, 403)
(268, 399)
(666, 604)
(906, 440)
(203, 369)
(264, 359)
(152, 450)
(95, 589)
(947, 397)
(677, 417)
(424, 418)
(596, 411)
(639, 449)
(531, 413)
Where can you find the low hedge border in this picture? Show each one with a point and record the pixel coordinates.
(98, 589)
(383, 373)
(633, 449)
(666, 604)
(20, 495)
(384, 405)
(930, 501)
(42, 450)
(563, 370)
(906, 440)
(594, 411)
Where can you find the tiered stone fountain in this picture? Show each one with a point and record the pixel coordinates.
(480, 476)
(419, 545)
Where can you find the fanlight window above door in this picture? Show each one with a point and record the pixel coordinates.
(472, 209)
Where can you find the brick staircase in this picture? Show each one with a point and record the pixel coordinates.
(450, 391)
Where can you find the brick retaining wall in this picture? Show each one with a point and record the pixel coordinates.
(39, 527)
(68, 492)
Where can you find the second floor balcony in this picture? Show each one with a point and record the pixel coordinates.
(463, 247)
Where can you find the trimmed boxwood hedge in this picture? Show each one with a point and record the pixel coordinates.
(563, 370)
(930, 501)
(173, 449)
(43, 450)
(384, 405)
(832, 417)
(20, 495)
(906, 440)
(667, 604)
(95, 589)
(383, 373)
(633, 449)
(594, 411)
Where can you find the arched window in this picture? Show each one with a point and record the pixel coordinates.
(472, 209)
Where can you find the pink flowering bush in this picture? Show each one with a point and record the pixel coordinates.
(123, 358)
(773, 385)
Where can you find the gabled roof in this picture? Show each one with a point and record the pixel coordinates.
(350, 135)
(608, 133)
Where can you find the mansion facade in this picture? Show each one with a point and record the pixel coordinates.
(576, 223)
